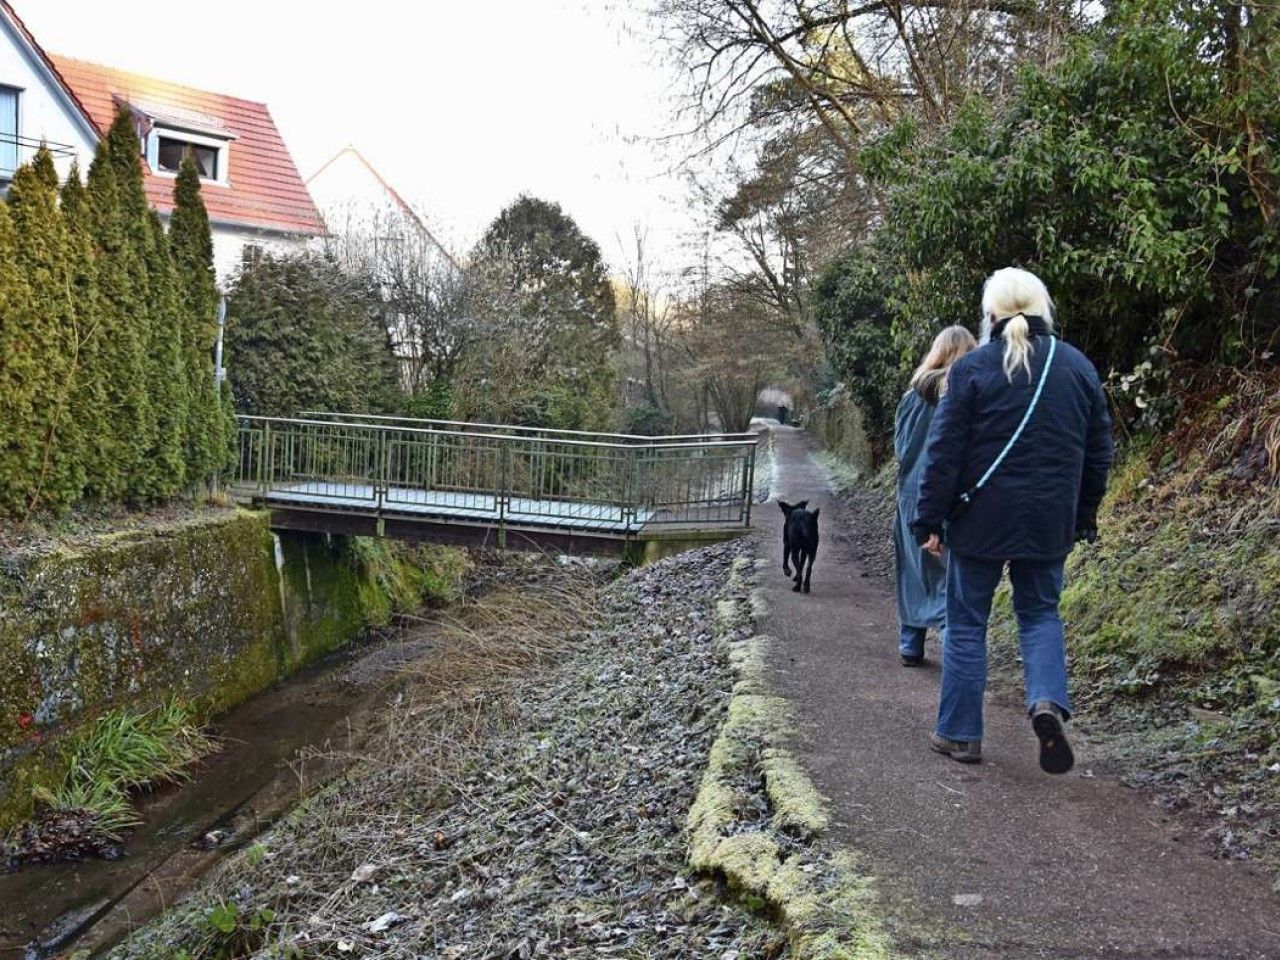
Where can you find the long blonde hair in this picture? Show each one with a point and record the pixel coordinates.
(930, 378)
(1015, 294)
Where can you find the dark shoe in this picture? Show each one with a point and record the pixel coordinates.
(1055, 751)
(912, 660)
(962, 751)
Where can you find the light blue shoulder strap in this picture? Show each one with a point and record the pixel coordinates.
(1035, 399)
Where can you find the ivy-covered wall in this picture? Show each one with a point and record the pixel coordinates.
(214, 609)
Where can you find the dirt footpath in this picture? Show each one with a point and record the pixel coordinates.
(998, 860)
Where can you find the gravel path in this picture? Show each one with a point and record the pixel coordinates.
(993, 862)
(546, 820)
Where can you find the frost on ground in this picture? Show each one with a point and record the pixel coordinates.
(537, 814)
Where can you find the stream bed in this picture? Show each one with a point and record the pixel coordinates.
(275, 747)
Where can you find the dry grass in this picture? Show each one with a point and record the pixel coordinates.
(486, 644)
(411, 757)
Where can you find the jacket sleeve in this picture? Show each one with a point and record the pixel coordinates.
(1098, 453)
(944, 456)
(899, 433)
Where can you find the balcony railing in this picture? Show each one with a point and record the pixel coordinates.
(15, 150)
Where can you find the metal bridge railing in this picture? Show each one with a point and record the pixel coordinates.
(505, 429)
(542, 478)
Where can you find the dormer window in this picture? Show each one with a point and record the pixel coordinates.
(171, 150)
(169, 134)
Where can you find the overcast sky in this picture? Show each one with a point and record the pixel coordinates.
(462, 106)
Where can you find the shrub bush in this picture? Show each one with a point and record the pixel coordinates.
(304, 334)
(1138, 177)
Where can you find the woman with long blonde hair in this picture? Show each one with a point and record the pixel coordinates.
(921, 577)
(1016, 465)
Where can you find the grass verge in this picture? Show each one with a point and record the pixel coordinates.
(521, 796)
(758, 821)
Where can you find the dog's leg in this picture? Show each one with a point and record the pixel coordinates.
(808, 575)
(786, 553)
(797, 561)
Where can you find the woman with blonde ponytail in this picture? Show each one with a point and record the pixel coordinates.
(1015, 467)
(921, 577)
(1015, 295)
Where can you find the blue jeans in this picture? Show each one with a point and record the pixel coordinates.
(971, 584)
(911, 640)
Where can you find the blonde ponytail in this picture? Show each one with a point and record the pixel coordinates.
(1017, 346)
(1015, 294)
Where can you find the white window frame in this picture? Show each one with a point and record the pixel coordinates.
(222, 145)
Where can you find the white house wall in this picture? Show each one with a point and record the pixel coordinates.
(43, 110)
(229, 243)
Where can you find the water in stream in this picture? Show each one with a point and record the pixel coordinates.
(275, 747)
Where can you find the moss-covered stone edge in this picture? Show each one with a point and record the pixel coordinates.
(279, 601)
(823, 901)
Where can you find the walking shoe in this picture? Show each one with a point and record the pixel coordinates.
(962, 751)
(912, 660)
(1055, 751)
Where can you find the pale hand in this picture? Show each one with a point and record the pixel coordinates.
(934, 545)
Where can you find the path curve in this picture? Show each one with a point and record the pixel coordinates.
(1066, 868)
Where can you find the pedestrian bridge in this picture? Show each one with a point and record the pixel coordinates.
(494, 485)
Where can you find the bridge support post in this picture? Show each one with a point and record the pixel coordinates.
(503, 492)
(264, 462)
(630, 491)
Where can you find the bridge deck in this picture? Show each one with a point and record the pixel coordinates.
(446, 504)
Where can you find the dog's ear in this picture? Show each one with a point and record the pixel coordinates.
(786, 507)
(815, 512)
(801, 505)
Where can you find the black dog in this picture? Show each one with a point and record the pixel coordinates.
(799, 541)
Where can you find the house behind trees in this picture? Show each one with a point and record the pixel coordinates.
(253, 192)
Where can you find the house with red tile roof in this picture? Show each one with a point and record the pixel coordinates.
(250, 185)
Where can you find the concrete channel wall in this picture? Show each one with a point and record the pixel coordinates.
(212, 608)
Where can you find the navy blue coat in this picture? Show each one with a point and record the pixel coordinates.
(1049, 487)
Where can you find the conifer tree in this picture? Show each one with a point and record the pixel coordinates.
(191, 243)
(147, 477)
(88, 408)
(166, 369)
(123, 333)
(44, 453)
(19, 375)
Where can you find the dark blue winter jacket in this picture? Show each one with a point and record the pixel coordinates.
(1045, 494)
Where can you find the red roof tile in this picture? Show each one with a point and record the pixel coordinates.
(263, 187)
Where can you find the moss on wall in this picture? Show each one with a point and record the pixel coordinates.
(212, 608)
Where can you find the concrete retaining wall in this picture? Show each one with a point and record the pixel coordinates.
(213, 608)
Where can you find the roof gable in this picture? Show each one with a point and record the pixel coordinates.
(348, 180)
(263, 188)
(44, 64)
